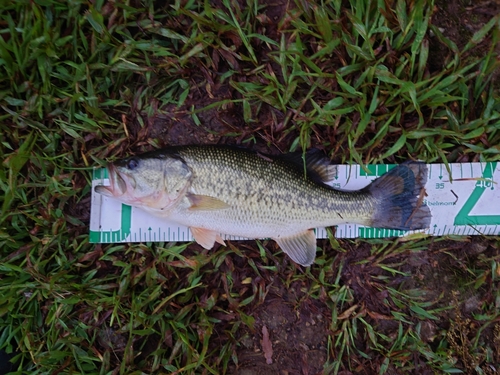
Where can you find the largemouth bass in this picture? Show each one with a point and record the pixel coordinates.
(222, 190)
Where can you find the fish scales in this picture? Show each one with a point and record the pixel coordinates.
(222, 190)
(273, 196)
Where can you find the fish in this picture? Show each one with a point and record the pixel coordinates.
(217, 190)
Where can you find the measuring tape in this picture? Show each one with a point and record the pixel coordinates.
(464, 199)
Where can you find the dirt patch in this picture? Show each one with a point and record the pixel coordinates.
(184, 125)
(298, 333)
(458, 20)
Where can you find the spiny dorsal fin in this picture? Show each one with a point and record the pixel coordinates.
(318, 166)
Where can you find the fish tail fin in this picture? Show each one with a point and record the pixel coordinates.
(400, 194)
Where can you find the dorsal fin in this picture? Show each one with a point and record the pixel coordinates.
(318, 166)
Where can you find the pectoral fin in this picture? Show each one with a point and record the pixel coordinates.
(205, 203)
(206, 237)
(300, 247)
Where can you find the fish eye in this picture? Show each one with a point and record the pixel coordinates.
(132, 164)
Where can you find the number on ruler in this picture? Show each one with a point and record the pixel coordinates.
(463, 217)
(485, 184)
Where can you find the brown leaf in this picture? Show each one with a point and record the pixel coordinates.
(267, 346)
(346, 314)
(91, 255)
(376, 315)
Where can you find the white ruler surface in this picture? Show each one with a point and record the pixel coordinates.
(464, 199)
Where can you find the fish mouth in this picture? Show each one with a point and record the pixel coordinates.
(104, 190)
(117, 186)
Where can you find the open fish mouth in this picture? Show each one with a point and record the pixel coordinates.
(117, 186)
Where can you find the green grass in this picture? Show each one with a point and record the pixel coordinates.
(80, 83)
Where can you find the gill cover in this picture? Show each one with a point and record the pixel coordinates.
(155, 183)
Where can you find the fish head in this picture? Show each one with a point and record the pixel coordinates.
(149, 182)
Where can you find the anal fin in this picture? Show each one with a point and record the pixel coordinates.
(301, 248)
(206, 238)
